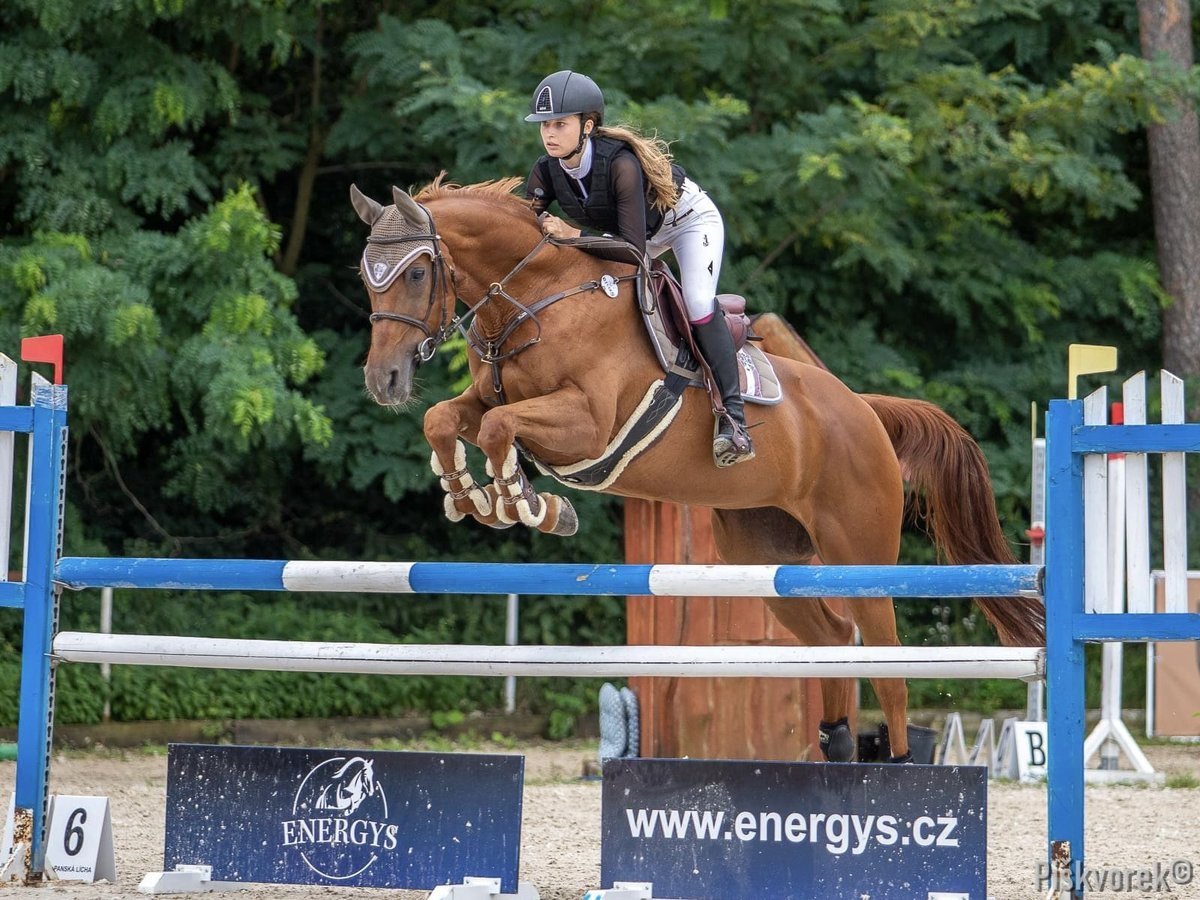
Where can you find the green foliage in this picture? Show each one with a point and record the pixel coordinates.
(939, 195)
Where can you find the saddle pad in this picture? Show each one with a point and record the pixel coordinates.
(647, 423)
(759, 382)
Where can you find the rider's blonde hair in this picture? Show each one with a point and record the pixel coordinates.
(655, 156)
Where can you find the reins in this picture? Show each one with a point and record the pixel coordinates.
(489, 349)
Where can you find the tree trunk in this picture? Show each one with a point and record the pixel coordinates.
(304, 192)
(1166, 29)
(312, 159)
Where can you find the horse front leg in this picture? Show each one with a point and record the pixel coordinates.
(445, 423)
(563, 421)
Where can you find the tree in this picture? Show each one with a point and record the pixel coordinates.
(939, 195)
(1174, 144)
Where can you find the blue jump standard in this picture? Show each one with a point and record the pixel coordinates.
(564, 578)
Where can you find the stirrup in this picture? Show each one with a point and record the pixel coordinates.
(731, 445)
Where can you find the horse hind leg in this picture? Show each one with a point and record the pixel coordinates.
(815, 623)
(876, 621)
(770, 536)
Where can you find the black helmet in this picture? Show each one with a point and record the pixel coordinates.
(565, 93)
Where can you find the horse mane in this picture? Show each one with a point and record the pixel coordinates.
(500, 190)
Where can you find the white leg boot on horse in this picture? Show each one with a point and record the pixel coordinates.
(464, 497)
(731, 444)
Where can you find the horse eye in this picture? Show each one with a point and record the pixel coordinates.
(417, 274)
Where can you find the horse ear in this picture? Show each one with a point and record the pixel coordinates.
(408, 208)
(368, 210)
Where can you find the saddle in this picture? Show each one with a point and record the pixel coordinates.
(660, 301)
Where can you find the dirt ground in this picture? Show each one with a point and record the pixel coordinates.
(1127, 826)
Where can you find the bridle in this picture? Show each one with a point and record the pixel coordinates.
(489, 349)
(443, 276)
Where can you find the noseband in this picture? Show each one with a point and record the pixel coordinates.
(446, 323)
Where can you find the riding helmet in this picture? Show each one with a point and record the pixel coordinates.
(565, 93)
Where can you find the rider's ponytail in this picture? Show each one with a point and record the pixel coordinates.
(655, 156)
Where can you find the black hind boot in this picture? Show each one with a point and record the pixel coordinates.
(731, 443)
(836, 741)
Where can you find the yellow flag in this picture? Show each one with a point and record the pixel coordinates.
(1088, 359)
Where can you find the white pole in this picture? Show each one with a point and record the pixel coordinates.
(106, 599)
(8, 397)
(36, 381)
(1035, 691)
(1023, 663)
(1037, 504)
(1095, 511)
(1174, 494)
(1125, 522)
(511, 621)
(1111, 653)
(1137, 506)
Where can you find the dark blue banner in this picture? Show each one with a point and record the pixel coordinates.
(344, 817)
(713, 830)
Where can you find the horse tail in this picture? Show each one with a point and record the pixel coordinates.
(948, 473)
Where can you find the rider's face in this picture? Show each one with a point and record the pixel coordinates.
(560, 137)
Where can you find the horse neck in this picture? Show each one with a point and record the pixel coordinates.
(486, 250)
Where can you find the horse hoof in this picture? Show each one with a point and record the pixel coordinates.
(837, 743)
(567, 522)
(901, 760)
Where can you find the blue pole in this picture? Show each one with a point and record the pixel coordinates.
(43, 542)
(1064, 652)
(535, 579)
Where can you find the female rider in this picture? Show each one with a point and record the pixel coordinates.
(617, 182)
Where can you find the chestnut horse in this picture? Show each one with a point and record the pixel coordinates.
(560, 365)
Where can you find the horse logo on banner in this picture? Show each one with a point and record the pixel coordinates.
(350, 786)
(340, 819)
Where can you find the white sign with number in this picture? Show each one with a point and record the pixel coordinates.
(7, 839)
(1032, 747)
(79, 841)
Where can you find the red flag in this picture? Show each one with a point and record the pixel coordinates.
(47, 349)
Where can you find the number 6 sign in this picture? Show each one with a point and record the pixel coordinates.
(79, 843)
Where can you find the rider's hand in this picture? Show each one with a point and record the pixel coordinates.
(553, 226)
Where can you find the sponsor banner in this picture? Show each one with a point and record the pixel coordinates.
(712, 830)
(344, 817)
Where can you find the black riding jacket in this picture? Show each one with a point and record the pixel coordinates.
(619, 200)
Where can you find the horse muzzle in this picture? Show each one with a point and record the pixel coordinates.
(391, 385)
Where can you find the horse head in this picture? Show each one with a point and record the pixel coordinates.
(409, 269)
(412, 300)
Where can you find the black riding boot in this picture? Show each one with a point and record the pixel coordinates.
(731, 444)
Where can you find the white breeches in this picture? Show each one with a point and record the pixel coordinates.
(694, 231)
